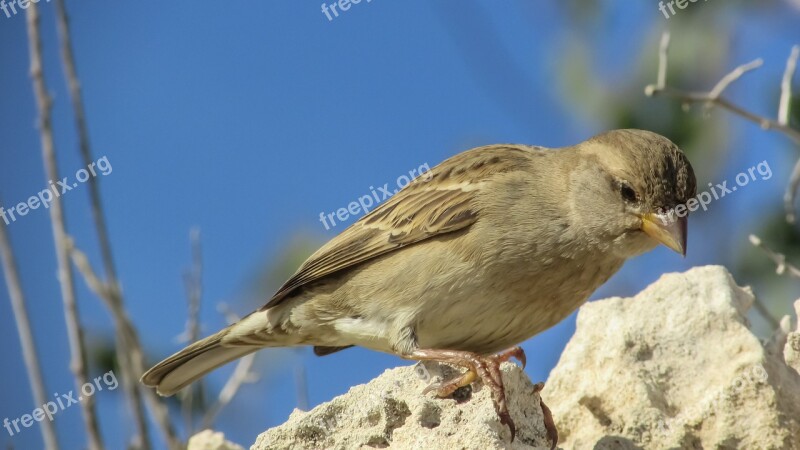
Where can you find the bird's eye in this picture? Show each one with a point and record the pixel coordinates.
(627, 192)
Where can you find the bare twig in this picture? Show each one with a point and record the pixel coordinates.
(733, 76)
(65, 276)
(241, 375)
(301, 382)
(786, 86)
(131, 356)
(791, 192)
(193, 280)
(663, 50)
(81, 262)
(129, 378)
(702, 97)
(715, 97)
(127, 338)
(784, 110)
(68, 59)
(781, 268)
(25, 331)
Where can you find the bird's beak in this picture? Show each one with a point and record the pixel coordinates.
(667, 229)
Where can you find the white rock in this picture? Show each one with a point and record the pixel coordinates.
(674, 367)
(391, 412)
(210, 440)
(791, 352)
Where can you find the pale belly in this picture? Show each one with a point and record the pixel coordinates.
(489, 322)
(474, 312)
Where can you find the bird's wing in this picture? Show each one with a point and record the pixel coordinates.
(437, 202)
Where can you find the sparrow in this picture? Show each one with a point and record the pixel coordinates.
(487, 249)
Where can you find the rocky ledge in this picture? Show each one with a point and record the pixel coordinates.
(674, 367)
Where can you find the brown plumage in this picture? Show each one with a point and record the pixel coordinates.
(489, 248)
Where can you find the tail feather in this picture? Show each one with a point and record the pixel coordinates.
(186, 366)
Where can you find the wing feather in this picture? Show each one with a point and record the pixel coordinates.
(438, 202)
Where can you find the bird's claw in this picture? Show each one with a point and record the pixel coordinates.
(514, 352)
(487, 368)
(505, 419)
(447, 388)
(501, 408)
(435, 386)
(547, 417)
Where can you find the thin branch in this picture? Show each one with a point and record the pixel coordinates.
(25, 331)
(68, 60)
(733, 76)
(193, 281)
(784, 107)
(781, 268)
(241, 375)
(129, 379)
(131, 356)
(65, 276)
(791, 192)
(702, 97)
(105, 293)
(784, 110)
(84, 267)
(301, 382)
(715, 98)
(663, 50)
(127, 338)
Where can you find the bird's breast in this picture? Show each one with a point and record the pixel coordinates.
(498, 307)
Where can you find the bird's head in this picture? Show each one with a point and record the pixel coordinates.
(627, 188)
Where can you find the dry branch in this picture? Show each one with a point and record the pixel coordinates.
(781, 266)
(193, 281)
(25, 331)
(130, 354)
(241, 375)
(129, 379)
(786, 86)
(65, 276)
(714, 98)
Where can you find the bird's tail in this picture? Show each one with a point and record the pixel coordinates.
(182, 368)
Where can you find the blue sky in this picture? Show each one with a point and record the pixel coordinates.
(247, 119)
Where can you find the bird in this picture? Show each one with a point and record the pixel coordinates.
(485, 250)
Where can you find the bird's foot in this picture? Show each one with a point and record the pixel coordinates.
(547, 417)
(487, 368)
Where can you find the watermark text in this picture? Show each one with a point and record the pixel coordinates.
(375, 197)
(60, 403)
(55, 189)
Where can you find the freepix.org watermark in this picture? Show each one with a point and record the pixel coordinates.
(10, 6)
(60, 403)
(55, 189)
(670, 5)
(365, 202)
(343, 5)
(759, 172)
